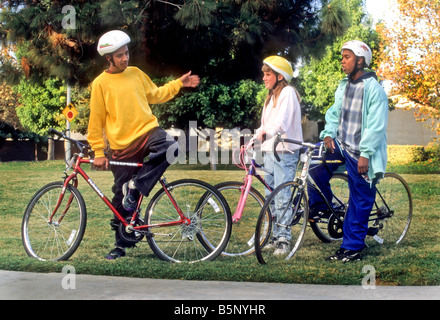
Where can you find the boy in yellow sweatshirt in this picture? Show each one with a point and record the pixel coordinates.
(120, 108)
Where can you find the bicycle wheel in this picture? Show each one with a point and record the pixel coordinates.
(242, 237)
(392, 211)
(207, 234)
(330, 229)
(289, 208)
(58, 239)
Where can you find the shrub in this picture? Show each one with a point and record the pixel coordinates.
(213, 104)
(406, 154)
(433, 152)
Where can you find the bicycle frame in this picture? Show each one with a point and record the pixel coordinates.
(305, 178)
(251, 172)
(78, 170)
(307, 159)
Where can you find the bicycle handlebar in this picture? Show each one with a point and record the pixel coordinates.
(81, 146)
(279, 139)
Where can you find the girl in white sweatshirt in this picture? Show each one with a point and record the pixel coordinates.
(281, 114)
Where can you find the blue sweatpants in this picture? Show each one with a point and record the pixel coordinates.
(362, 196)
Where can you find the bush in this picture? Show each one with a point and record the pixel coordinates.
(406, 154)
(213, 104)
(414, 159)
(433, 152)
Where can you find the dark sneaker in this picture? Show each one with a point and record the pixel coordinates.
(131, 196)
(345, 255)
(115, 253)
(315, 214)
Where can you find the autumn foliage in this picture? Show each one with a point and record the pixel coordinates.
(411, 57)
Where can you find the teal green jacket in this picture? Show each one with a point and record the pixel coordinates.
(373, 144)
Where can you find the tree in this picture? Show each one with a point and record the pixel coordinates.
(224, 41)
(9, 99)
(10, 126)
(226, 38)
(55, 47)
(40, 104)
(320, 77)
(411, 60)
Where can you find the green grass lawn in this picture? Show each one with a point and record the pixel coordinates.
(416, 261)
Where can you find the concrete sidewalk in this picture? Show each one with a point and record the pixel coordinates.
(58, 286)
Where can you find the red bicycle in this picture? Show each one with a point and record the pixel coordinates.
(193, 217)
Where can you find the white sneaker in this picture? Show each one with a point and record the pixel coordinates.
(282, 247)
(271, 245)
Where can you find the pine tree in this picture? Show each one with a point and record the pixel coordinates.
(222, 38)
(224, 41)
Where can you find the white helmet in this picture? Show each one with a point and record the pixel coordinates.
(112, 41)
(360, 49)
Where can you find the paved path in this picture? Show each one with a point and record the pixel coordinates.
(57, 286)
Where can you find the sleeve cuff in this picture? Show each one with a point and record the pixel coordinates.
(365, 155)
(99, 153)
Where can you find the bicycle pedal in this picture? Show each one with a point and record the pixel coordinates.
(114, 224)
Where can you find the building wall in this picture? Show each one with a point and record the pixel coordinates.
(403, 129)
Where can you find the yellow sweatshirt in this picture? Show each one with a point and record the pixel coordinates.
(120, 105)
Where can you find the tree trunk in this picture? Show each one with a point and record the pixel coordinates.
(50, 149)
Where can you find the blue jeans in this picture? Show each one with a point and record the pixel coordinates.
(281, 172)
(362, 197)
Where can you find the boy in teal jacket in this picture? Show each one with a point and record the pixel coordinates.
(355, 133)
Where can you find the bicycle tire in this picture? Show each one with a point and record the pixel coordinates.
(330, 229)
(207, 235)
(241, 241)
(392, 211)
(297, 221)
(59, 239)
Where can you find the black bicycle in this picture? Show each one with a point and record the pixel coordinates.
(389, 220)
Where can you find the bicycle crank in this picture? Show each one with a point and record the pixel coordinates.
(334, 227)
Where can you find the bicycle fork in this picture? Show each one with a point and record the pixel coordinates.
(243, 197)
(60, 200)
(294, 204)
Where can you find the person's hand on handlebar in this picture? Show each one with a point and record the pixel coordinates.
(329, 144)
(251, 142)
(101, 162)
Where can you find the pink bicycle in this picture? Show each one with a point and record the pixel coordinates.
(247, 202)
(193, 218)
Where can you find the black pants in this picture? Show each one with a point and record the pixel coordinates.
(157, 154)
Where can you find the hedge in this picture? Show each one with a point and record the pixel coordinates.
(413, 153)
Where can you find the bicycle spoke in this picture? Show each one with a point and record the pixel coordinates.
(242, 237)
(289, 223)
(208, 222)
(51, 240)
(392, 212)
